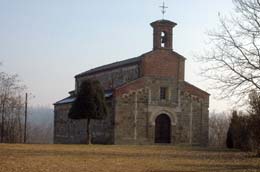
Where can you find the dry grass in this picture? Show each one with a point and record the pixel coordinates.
(97, 158)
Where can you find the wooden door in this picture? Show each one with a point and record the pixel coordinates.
(163, 129)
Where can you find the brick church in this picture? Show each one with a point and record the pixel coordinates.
(148, 99)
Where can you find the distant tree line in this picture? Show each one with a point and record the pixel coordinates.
(218, 127)
(40, 125)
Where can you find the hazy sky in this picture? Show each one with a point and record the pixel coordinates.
(48, 42)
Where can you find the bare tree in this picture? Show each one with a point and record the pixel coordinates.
(233, 58)
(11, 108)
(218, 127)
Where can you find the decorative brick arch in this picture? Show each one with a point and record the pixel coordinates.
(171, 115)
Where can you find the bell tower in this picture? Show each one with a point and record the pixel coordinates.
(162, 34)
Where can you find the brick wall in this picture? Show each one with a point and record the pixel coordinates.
(163, 63)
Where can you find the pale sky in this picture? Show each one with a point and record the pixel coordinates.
(48, 42)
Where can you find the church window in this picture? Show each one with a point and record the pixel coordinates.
(163, 93)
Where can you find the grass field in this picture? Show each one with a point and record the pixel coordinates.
(97, 158)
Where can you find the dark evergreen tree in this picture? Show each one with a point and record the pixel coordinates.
(89, 104)
(255, 119)
(229, 141)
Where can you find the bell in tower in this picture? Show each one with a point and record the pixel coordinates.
(162, 34)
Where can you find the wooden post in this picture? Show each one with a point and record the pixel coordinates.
(25, 118)
(2, 122)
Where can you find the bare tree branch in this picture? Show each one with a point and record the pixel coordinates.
(233, 58)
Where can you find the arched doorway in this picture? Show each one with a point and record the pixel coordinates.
(163, 129)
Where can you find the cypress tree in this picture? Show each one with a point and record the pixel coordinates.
(89, 104)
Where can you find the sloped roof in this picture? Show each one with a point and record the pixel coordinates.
(195, 90)
(71, 99)
(111, 66)
(159, 22)
(178, 55)
(66, 100)
(120, 64)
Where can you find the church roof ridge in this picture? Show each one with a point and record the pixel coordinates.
(119, 64)
(112, 65)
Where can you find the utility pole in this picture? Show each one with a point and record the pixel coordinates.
(2, 122)
(25, 117)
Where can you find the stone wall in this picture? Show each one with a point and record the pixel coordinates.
(67, 130)
(138, 104)
(194, 118)
(113, 78)
(71, 131)
(133, 112)
(205, 122)
(131, 119)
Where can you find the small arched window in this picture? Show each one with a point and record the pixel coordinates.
(163, 39)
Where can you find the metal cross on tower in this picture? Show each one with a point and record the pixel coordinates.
(163, 9)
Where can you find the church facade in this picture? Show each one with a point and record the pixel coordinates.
(148, 99)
